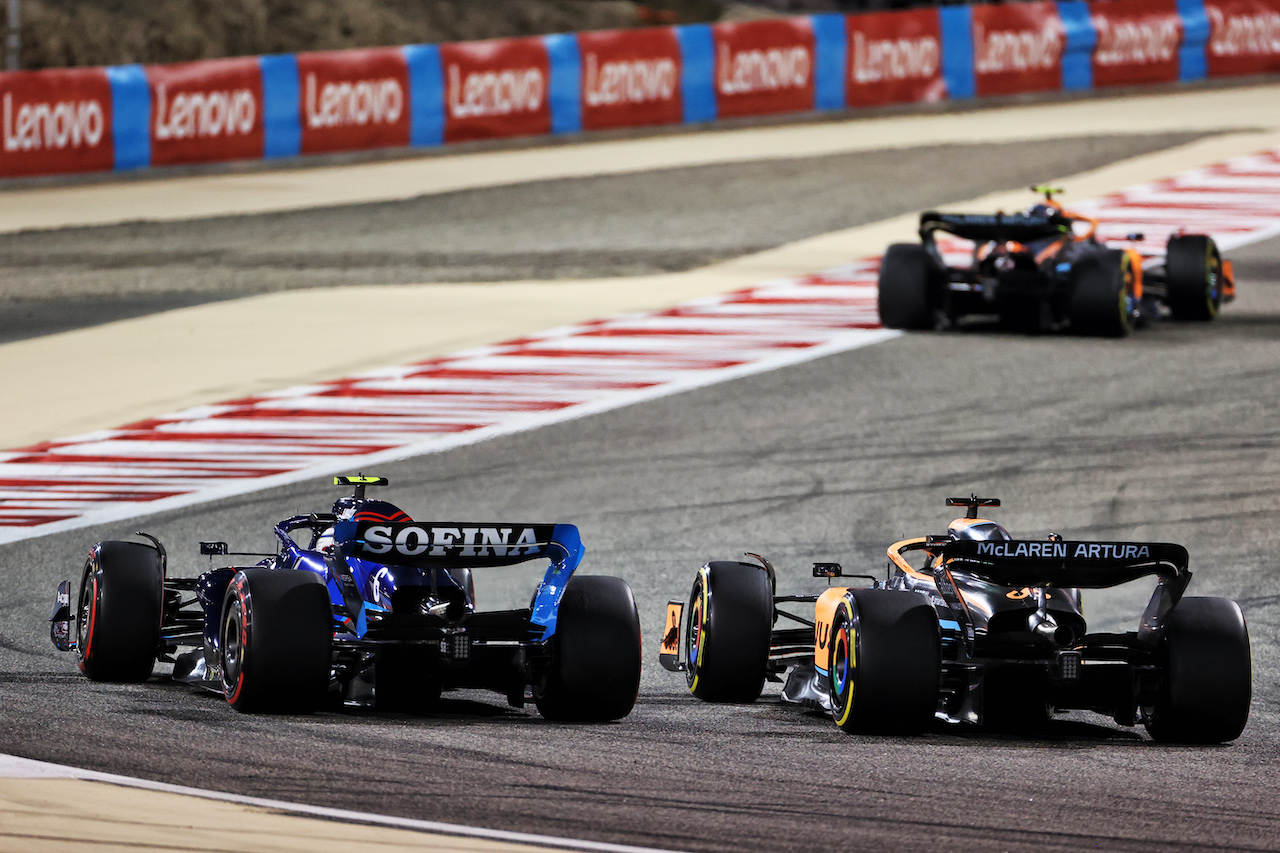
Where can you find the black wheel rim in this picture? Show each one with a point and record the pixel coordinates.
(695, 637)
(86, 610)
(233, 642)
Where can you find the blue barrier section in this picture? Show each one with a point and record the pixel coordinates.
(957, 51)
(130, 117)
(566, 83)
(281, 106)
(831, 51)
(697, 73)
(426, 94)
(1077, 56)
(1192, 62)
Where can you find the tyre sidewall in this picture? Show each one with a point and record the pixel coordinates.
(595, 672)
(119, 612)
(730, 628)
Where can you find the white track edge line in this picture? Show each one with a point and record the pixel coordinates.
(27, 768)
(841, 343)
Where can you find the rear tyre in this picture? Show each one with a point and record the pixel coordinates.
(276, 641)
(907, 293)
(596, 673)
(729, 630)
(1208, 677)
(119, 612)
(1102, 295)
(884, 662)
(1193, 277)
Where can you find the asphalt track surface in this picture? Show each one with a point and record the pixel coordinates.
(1171, 434)
(615, 225)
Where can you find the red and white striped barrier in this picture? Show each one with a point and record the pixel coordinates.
(355, 423)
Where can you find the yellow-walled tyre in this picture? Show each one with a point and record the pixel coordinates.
(1102, 295)
(1207, 675)
(730, 626)
(884, 662)
(1193, 277)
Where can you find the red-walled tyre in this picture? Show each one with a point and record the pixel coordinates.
(119, 612)
(276, 641)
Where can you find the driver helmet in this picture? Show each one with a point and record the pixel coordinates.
(978, 530)
(324, 542)
(379, 511)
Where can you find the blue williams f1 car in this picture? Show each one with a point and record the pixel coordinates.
(972, 626)
(362, 606)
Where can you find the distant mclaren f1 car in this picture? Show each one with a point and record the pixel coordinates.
(1044, 270)
(362, 606)
(972, 626)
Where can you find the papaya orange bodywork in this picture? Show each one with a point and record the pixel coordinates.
(824, 612)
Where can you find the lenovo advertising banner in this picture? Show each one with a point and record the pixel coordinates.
(764, 66)
(56, 121)
(353, 99)
(1244, 36)
(1017, 47)
(496, 88)
(894, 58)
(206, 111)
(630, 78)
(1138, 41)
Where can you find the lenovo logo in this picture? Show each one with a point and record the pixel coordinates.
(353, 103)
(757, 70)
(638, 81)
(495, 93)
(877, 60)
(56, 125)
(1244, 35)
(204, 114)
(1136, 42)
(1016, 50)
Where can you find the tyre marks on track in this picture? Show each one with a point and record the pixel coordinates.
(211, 452)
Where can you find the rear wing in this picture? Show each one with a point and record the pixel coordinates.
(464, 545)
(1093, 565)
(1001, 227)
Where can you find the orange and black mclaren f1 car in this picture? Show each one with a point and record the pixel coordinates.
(971, 626)
(1045, 270)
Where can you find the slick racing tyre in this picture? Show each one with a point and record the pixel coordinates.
(595, 675)
(1193, 277)
(276, 640)
(907, 288)
(884, 662)
(729, 630)
(119, 612)
(1102, 297)
(1208, 674)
